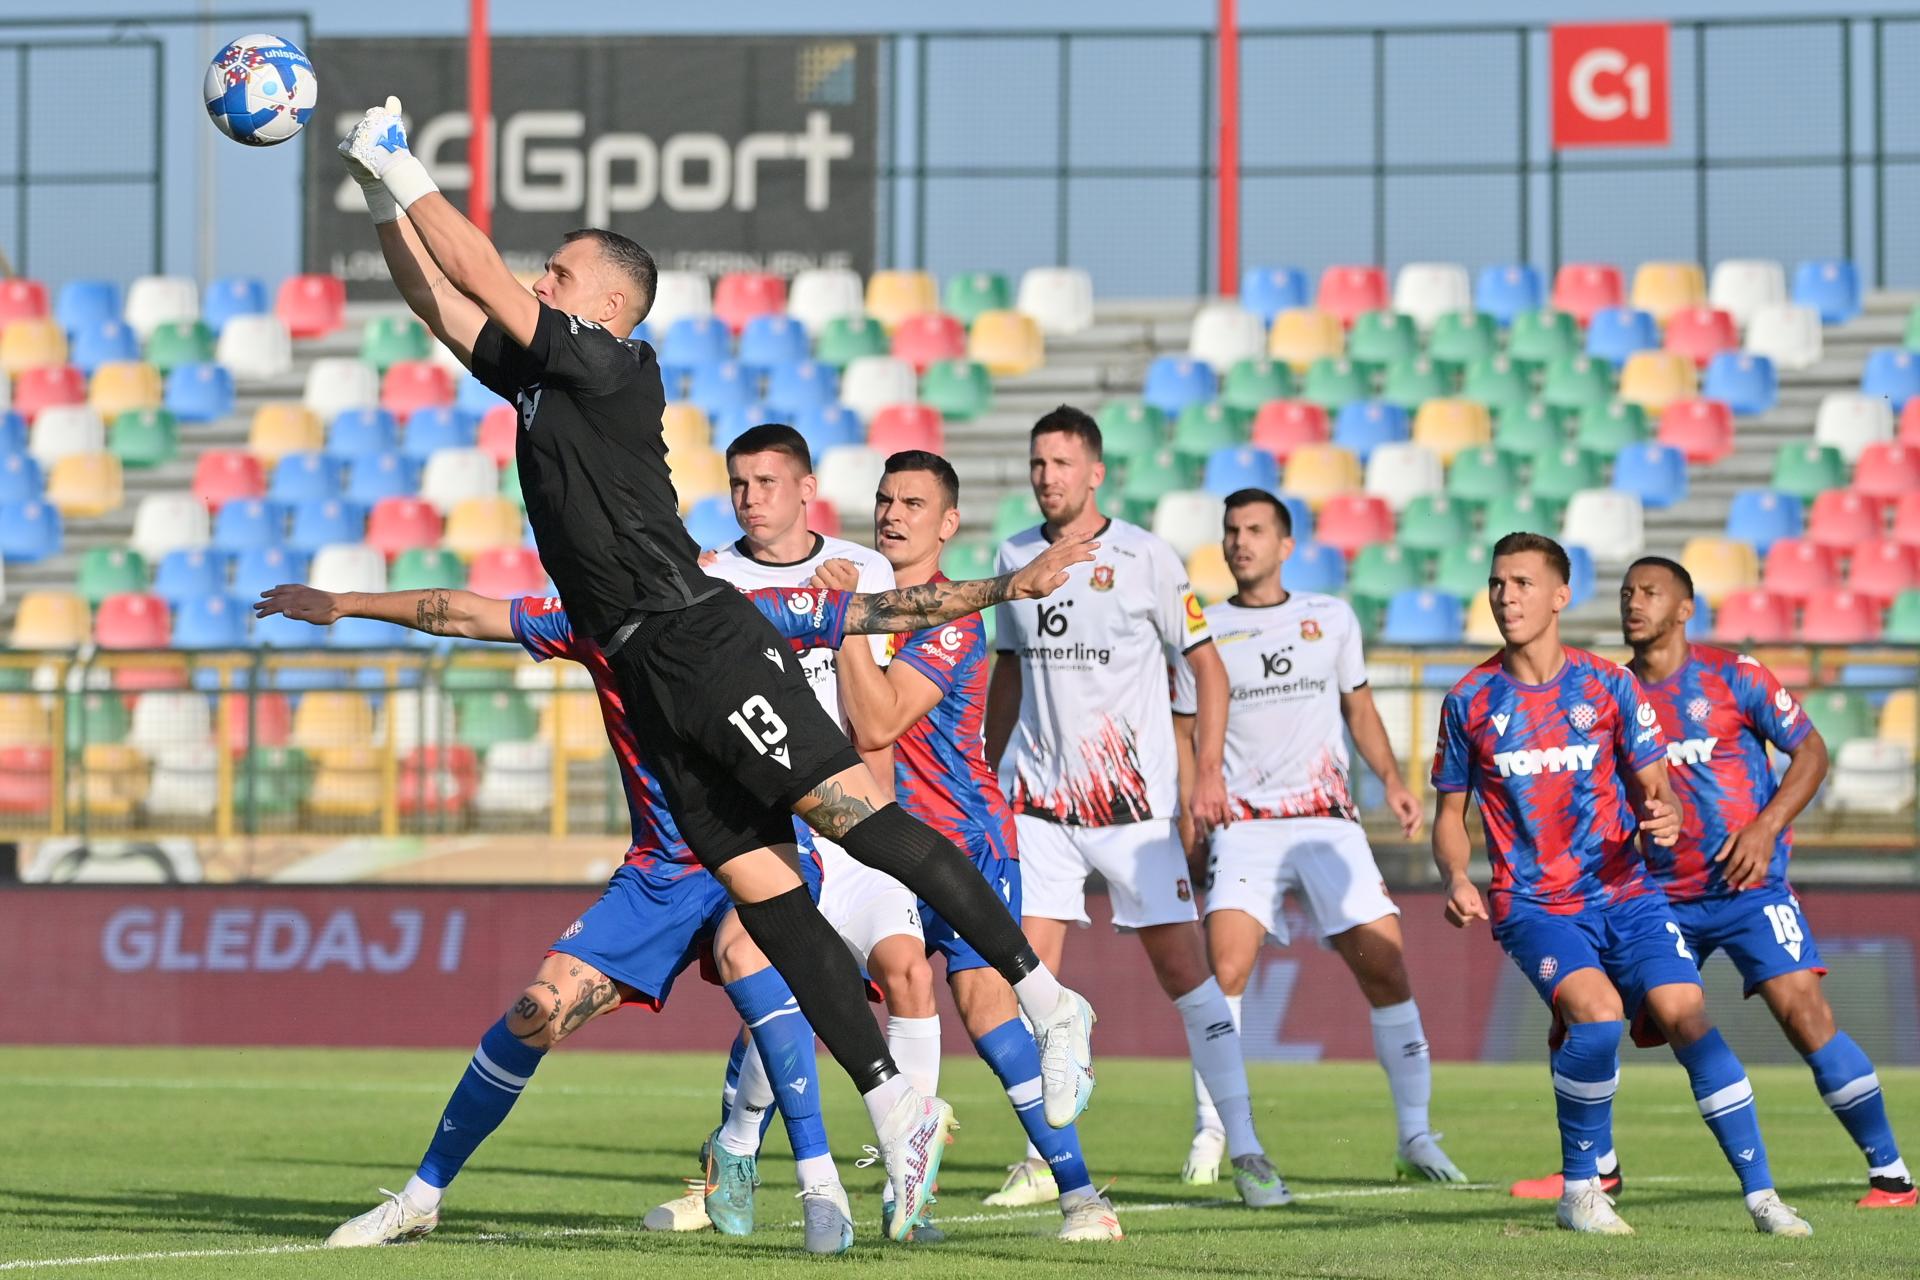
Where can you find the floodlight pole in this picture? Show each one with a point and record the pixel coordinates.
(1227, 40)
(479, 115)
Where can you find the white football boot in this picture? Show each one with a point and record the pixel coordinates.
(1066, 1059)
(683, 1213)
(1421, 1157)
(826, 1218)
(1089, 1218)
(1772, 1218)
(1029, 1182)
(1589, 1209)
(392, 1221)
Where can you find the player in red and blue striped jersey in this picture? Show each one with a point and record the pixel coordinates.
(1567, 761)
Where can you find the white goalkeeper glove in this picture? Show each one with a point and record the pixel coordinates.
(376, 153)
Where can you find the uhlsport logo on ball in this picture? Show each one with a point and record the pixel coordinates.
(260, 90)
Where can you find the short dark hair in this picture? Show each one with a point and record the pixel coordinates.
(1067, 420)
(627, 257)
(773, 437)
(1253, 497)
(1519, 541)
(931, 463)
(1674, 567)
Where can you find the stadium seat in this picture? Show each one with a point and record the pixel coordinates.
(1840, 616)
(311, 306)
(1461, 568)
(871, 383)
(1655, 379)
(1224, 334)
(1347, 291)
(43, 620)
(106, 571)
(1508, 290)
(722, 388)
(1702, 430)
(20, 478)
(1496, 381)
(328, 720)
(1755, 616)
(1607, 522)
(1423, 617)
(829, 425)
(412, 385)
(1188, 519)
(1349, 521)
(1282, 426)
(1361, 426)
(1174, 382)
(1830, 286)
(960, 389)
(498, 435)
(422, 570)
(848, 338)
(1267, 291)
(1907, 429)
(1665, 288)
(165, 521)
(1888, 470)
(320, 524)
(1314, 566)
(1206, 569)
(819, 295)
(155, 300)
(906, 426)
(1522, 513)
(1400, 473)
(1744, 381)
(1654, 473)
(1850, 421)
(102, 342)
(188, 572)
(281, 429)
(1882, 569)
(1202, 428)
(348, 566)
(1447, 426)
(1241, 467)
(849, 476)
(231, 297)
(361, 431)
(199, 392)
(1577, 382)
(1433, 522)
(119, 387)
(1614, 333)
(1427, 291)
(373, 476)
(452, 475)
(1582, 288)
(1008, 343)
(1902, 627)
(1380, 571)
(1743, 287)
(31, 344)
(710, 522)
(1302, 335)
(1151, 477)
(1412, 382)
(1892, 374)
(515, 780)
(677, 294)
(389, 339)
(771, 341)
(262, 567)
(132, 621)
(64, 430)
(1333, 382)
(1016, 511)
(895, 296)
(1060, 299)
(1899, 719)
(209, 622)
(1872, 776)
(227, 475)
(1720, 566)
(506, 572)
(1130, 427)
(1807, 470)
(85, 485)
(336, 384)
(1796, 568)
(1460, 338)
(1521, 430)
(432, 428)
(691, 342)
(1559, 474)
(1316, 472)
(1382, 338)
(1843, 518)
(179, 342)
(1701, 333)
(402, 524)
(1790, 336)
(699, 473)
(86, 302)
(1478, 476)
(470, 395)
(682, 426)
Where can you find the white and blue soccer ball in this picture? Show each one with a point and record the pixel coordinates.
(260, 90)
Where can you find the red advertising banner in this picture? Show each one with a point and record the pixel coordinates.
(1610, 85)
(434, 967)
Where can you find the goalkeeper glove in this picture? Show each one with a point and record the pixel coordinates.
(376, 152)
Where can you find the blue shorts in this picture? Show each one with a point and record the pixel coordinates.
(1761, 930)
(1003, 873)
(1635, 942)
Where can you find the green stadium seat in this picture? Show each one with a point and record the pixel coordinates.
(144, 437)
(1912, 342)
(1478, 476)
(510, 484)
(425, 568)
(179, 342)
(1560, 474)
(970, 293)
(1460, 338)
(1523, 430)
(272, 782)
(95, 718)
(111, 571)
(965, 558)
(1808, 470)
(1462, 569)
(847, 338)
(1253, 382)
(1382, 571)
(1202, 428)
(1577, 383)
(1496, 381)
(484, 717)
(1538, 338)
(1157, 474)
(1017, 511)
(1521, 513)
(1432, 522)
(1608, 428)
(388, 339)
(959, 389)
(1381, 338)
(1412, 382)
(1130, 427)
(1332, 382)
(1845, 715)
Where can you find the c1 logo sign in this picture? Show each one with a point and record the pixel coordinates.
(1610, 85)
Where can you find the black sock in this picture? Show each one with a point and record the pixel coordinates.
(894, 841)
(826, 983)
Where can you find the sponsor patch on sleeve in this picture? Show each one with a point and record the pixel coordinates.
(1196, 619)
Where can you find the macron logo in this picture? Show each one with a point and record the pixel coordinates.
(1692, 751)
(798, 1084)
(1500, 719)
(1534, 760)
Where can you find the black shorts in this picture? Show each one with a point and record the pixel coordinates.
(728, 724)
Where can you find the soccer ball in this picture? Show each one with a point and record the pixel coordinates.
(260, 90)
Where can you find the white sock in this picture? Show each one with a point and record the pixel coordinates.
(423, 1196)
(1400, 1043)
(881, 1098)
(1039, 994)
(1754, 1198)
(1206, 1117)
(817, 1171)
(915, 1046)
(1213, 1041)
(1033, 1153)
(740, 1134)
(1608, 1164)
(1898, 1169)
(1578, 1184)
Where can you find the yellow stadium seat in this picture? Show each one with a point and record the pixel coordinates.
(582, 732)
(1303, 335)
(1662, 288)
(893, 296)
(51, 620)
(1207, 571)
(684, 425)
(115, 779)
(284, 427)
(1898, 718)
(1449, 427)
(1720, 566)
(697, 474)
(86, 485)
(1656, 379)
(1481, 626)
(124, 385)
(1009, 343)
(331, 718)
(31, 344)
(24, 722)
(346, 782)
(481, 524)
(1318, 471)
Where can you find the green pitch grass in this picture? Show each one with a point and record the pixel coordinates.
(171, 1163)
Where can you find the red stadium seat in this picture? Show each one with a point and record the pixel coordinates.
(22, 299)
(506, 572)
(272, 721)
(1350, 521)
(906, 426)
(1840, 616)
(228, 475)
(1909, 432)
(1701, 429)
(1843, 519)
(312, 306)
(401, 524)
(1701, 333)
(742, 295)
(923, 339)
(500, 434)
(415, 384)
(1582, 288)
(1797, 568)
(26, 779)
(1347, 291)
(1906, 519)
(1754, 617)
(823, 517)
(1883, 569)
(47, 386)
(131, 621)
(437, 779)
(1282, 426)
(1887, 469)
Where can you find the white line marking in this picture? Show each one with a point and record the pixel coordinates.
(312, 1086)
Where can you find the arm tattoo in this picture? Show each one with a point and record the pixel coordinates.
(927, 605)
(837, 812)
(430, 614)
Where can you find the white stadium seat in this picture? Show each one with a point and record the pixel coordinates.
(421, 718)
(1400, 471)
(1428, 290)
(517, 778)
(454, 475)
(348, 566)
(848, 476)
(1871, 775)
(1787, 335)
(1224, 333)
(1060, 299)
(1188, 519)
(820, 294)
(183, 782)
(166, 522)
(1852, 420)
(871, 383)
(256, 348)
(1742, 286)
(338, 383)
(156, 300)
(677, 294)
(64, 430)
(1607, 522)
(169, 718)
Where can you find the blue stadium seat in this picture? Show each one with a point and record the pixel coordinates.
(13, 433)
(1509, 290)
(199, 392)
(1761, 517)
(1267, 291)
(1174, 382)
(29, 531)
(185, 573)
(734, 419)
(711, 524)
(1581, 575)
(772, 340)
(251, 522)
(366, 633)
(438, 427)
(210, 622)
(361, 431)
(1240, 468)
(260, 569)
(829, 425)
(20, 478)
(1830, 286)
(1700, 625)
(1655, 473)
(1302, 515)
(1314, 566)
(98, 342)
(305, 477)
(278, 631)
(802, 385)
(1615, 333)
(1893, 372)
(645, 332)
(721, 386)
(387, 474)
(1364, 425)
(232, 296)
(315, 524)
(1422, 616)
(1746, 384)
(86, 302)
(472, 396)
(696, 340)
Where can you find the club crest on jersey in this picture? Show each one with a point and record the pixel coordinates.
(1583, 717)
(573, 930)
(1102, 579)
(1310, 629)
(1183, 890)
(1548, 967)
(1699, 709)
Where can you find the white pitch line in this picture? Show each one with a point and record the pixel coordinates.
(312, 1086)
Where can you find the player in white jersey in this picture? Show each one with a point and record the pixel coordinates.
(1079, 718)
(1299, 684)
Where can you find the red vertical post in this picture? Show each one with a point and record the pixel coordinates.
(1227, 38)
(479, 112)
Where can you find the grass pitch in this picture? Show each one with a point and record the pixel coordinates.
(174, 1163)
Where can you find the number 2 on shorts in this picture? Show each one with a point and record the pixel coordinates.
(1679, 941)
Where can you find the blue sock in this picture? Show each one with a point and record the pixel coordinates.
(1586, 1075)
(1009, 1049)
(500, 1069)
(784, 1039)
(1726, 1104)
(1844, 1075)
(735, 1057)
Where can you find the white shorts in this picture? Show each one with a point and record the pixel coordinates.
(1326, 861)
(864, 905)
(1142, 863)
